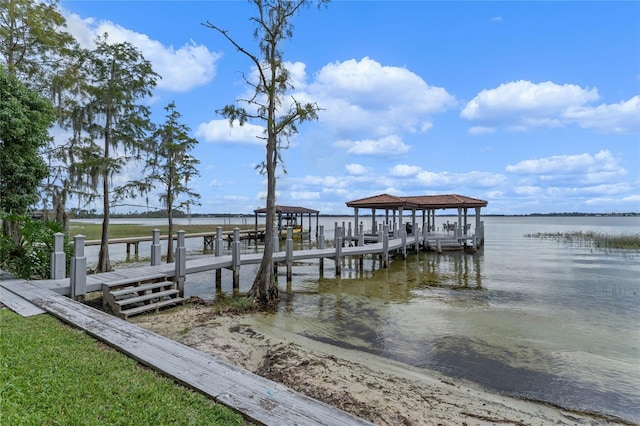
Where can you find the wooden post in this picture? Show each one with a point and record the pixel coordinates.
(350, 234)
(321, 247)
(58, 259)
(289, 253)
(235, 260)
(217, 248)
(403, 235)
(276, 248)
(155, 247)
(180, 263)
(338, 246)
(361, 235)
(385, 246)
(78, 273)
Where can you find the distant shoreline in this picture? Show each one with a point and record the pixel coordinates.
(160, 215)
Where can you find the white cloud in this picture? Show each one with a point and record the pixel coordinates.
(401, 170)
(182, 69)
(474, 179)
(366, 98)
(390, 145)
(521, 105)
(623, 117)
(356, 169)
(563, 164)
(304, 195)
(219, 131)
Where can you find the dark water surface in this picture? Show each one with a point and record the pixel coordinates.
(532, 318)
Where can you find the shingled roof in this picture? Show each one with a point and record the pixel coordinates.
(386, 201)
(288, 209)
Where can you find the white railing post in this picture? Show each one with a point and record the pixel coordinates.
(180, 262)
(58, 258)
(78, 273)
(155, 247)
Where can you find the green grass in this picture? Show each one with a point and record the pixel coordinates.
(597, 240)
(53, 374)
(93, 231)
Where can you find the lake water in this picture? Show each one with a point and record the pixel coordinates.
(533, 318)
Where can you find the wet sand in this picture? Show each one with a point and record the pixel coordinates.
(377, 389)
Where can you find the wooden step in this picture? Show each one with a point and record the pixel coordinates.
(126, 313)
(146, 297)
(140, 294)
(141, 288)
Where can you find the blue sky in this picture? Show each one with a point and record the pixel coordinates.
(532, 106)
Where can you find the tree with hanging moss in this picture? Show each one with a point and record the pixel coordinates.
(271, 106)
(171, 167)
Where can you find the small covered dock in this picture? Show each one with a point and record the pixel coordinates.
(392, 210)
(292, 216)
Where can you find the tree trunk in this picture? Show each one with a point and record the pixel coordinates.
(264, 289)
(104, 265)
(170, 239)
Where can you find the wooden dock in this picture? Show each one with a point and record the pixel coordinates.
(258, 399)
(207, 237)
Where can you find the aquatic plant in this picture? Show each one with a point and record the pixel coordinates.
(595, 239)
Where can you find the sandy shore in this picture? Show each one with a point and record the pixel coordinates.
(374, 388)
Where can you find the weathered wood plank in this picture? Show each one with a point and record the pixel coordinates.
(258, 399)
(18, 304)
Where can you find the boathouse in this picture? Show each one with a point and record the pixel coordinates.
(395, 207)
(292, 216)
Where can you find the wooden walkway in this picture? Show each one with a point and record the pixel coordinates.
(209, 263)
(259, 400)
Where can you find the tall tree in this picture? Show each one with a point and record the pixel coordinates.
(33, 40)
(25, 117)
(35, 46)
(171, 166)
(119, 80)
(273, 26)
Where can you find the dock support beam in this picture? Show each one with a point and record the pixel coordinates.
(180, 263)
(338, 255)
(289, 253)
(155, 247)
(235, 260)
(385, 246)
(218, 252)
(321, 247)
(58, 260)
(78, 276)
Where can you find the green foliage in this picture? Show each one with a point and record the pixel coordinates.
(25, 118)
(172, 167)
(29, 256)
(110, 125)
(54, 374)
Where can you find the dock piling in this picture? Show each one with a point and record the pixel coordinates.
(235, 260)
(338, 246)
(181, 262)
(321, 247)
(218, 252)
(289, 252)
